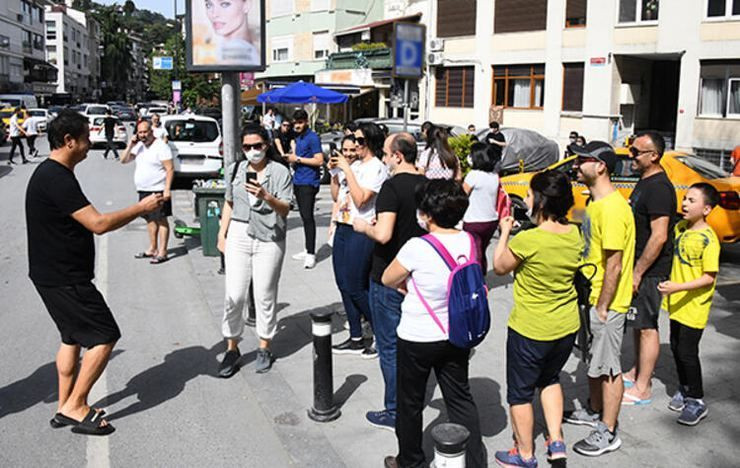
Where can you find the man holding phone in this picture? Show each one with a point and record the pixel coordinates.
(154, 175)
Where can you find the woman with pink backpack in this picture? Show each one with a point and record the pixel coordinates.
(427, 331)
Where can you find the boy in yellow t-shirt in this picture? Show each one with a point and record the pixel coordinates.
(688, 297)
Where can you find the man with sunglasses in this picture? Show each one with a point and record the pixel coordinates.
(284, 136)
(307, 160)
(654, 205)
(609, 235)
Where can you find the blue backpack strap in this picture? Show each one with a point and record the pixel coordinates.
(441, 250)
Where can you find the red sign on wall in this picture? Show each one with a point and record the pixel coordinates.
(598, 61)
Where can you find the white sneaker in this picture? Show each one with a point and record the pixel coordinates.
(300, 255)
(310, 261)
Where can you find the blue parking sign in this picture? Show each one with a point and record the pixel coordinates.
(162, 63)
(408, 50)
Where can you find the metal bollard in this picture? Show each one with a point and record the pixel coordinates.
(450, 441)
(323, 409)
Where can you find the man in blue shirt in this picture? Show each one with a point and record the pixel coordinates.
(306, 162)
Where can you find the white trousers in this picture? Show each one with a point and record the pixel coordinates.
(248, 258)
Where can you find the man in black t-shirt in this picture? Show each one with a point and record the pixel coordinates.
(396, 224)
(496, 139)
(60, 224)
(654, 206)
(283, 138)
(109, 126)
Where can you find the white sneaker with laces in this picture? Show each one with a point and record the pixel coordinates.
(300, 256)
(310, 261)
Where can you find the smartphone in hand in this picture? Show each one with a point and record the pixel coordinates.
(251, 177)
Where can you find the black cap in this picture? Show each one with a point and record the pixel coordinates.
(600, 150)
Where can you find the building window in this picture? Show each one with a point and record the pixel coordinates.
(636, 11)
(723, 8)
(519, 86)
(454, 86)
(519, 15)
(575, 13)
(281, 8)
(573, 87)
(321, 45)
(4, 42)
(719, 93)
(456, 18)
(51, 30)
(320, 5)
(38, 42)
(281, 49)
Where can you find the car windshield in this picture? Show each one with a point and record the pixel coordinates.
(703, 167)
(37, 113)
(6, 114)
(197, 131)
(96, 110)
(11, 102)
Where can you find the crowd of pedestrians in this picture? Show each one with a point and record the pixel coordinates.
(403, 223)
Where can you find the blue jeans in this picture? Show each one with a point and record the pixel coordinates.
(351, 256)
(385, 305)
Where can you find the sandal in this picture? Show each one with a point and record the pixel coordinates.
(157, 260)
(143, 255)
(91, 425)
(59, 420)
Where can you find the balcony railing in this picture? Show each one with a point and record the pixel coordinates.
(376, 58)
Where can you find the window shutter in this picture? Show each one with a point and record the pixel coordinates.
(573, 87)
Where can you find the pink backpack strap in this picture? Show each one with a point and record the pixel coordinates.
(441, 250)
(427, 306)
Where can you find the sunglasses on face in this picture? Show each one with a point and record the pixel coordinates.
(360, 141)
(256, 146)
(586, 159)
(634, 152)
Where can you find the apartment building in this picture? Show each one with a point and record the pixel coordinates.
(71, 49)
(300, 34)
(604, 68)
(23, 65)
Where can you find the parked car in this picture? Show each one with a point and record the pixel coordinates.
(42, 115)
(155, 110)
(54, 110)
(682, 169)
(97, 133)
(91, 110)
(196, 145)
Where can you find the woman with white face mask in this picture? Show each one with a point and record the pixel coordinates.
(252, 238)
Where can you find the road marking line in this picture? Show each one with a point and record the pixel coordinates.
(98, 449)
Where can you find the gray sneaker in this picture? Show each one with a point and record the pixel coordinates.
(583, 417)
(678, 401)
(693, 412)
(264, 361)
(599, 442)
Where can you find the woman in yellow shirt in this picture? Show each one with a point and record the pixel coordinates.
(544, 320)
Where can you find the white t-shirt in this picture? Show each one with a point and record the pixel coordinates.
(31, 125)
(370, 175)
(14, 130)
(483, 197)
(159, 132)
(150, 175)
(430, 274)
(433, 168)
(268, 121)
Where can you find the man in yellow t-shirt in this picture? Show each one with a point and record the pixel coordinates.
(688, 297)
(609, 235)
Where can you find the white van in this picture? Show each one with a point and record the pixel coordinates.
(196, 145)
(16, 100)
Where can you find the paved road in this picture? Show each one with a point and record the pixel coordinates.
(170, 410)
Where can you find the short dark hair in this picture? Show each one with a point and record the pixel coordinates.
(300, 114)
(351, 126)
(493, 124)
(443, 200)
(67, 122)
(656, 139)
(710, 194)
(349, 137)
(406, 146)
(374, 137)
(471, 126)
(481, 158)
(553, 195)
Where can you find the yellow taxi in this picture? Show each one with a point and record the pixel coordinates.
(7, 112)
(682, 169)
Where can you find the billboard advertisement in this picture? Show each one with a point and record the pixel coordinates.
(225, 36)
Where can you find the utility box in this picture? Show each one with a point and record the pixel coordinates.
(210, 203)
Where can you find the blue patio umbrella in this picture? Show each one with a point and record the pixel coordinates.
(302, 93)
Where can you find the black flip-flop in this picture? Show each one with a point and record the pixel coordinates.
(143, 255)
(59, 420)
(157, 260)
(91, 425)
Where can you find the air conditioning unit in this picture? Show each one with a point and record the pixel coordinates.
(435, 58)
(436, 45)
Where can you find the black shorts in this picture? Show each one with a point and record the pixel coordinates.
(645, 309)
(162, 213)
(532, 364)
(81, 314)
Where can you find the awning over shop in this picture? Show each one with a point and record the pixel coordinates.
(249, 97)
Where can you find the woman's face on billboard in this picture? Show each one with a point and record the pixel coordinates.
(227, 16)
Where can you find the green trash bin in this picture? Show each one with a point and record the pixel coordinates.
(210, 203)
